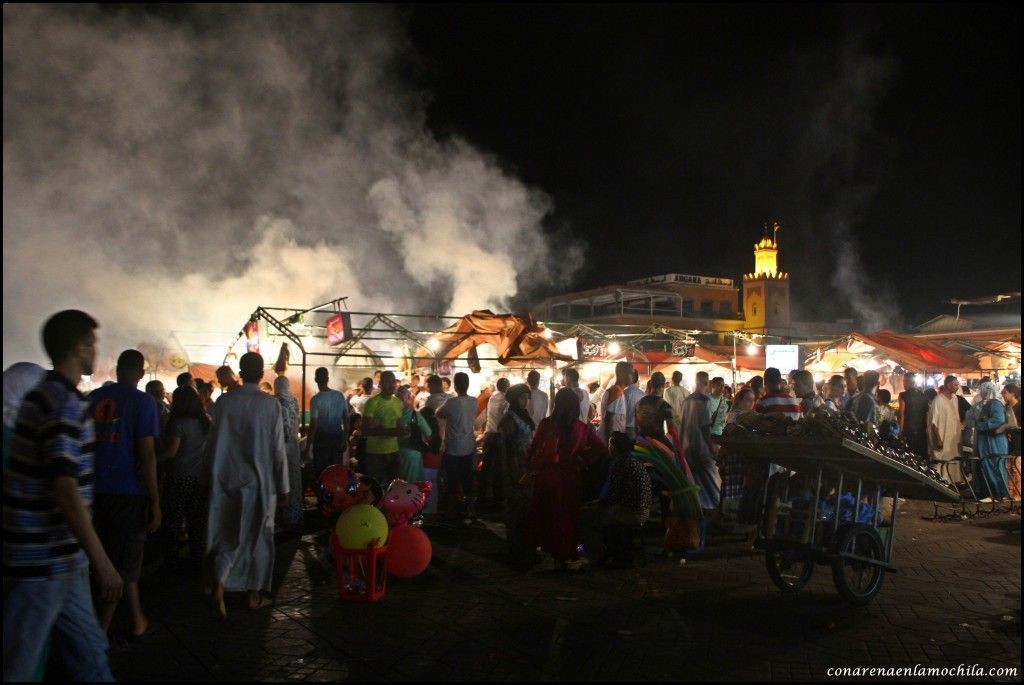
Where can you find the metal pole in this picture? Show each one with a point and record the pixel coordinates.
(814, 507)
(856, 505)
(734, 361)
(839, 497)
(303, 386)
(892, 526)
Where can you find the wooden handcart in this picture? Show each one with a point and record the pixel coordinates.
(823, 506)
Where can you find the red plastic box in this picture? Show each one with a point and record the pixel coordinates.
(362, 573)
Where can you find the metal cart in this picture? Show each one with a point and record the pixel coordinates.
(829, 510)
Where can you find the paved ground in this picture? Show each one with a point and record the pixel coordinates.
(956, 600)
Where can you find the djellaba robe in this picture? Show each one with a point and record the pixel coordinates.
(246, 467)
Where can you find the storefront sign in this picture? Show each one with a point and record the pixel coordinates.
(681, 348)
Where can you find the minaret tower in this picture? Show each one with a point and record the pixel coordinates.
(766, 290)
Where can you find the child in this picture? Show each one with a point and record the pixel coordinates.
(431, 460)
(356, 443)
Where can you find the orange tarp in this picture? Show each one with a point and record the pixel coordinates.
(518, 340)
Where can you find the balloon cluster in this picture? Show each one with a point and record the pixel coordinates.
(822, 423)
(358, 500)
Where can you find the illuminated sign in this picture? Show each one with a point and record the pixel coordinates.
(339, 328)
(785, 358)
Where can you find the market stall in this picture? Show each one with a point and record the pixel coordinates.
(892, 355)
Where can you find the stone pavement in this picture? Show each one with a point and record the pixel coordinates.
(955, 600)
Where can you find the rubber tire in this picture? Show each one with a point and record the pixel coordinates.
(774, 572)
(869, 544)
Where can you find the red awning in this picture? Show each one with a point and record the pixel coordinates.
(915, 354)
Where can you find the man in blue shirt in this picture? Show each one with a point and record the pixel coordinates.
(49, 540)
(328, 416)
(127, 505)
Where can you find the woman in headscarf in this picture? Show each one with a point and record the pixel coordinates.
(290, 516)
(19, 379)
(516, 430)
(412, 446)
(992, 447)
(560, 447)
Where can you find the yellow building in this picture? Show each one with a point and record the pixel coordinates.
(704, 303)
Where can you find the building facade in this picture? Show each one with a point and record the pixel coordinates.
(711, 304)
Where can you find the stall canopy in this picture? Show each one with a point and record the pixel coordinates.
(877, 349)
(518, 340)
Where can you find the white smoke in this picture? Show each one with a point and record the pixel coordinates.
(174, 171)
(846, 166)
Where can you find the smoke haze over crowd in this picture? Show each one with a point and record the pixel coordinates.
(175, 171)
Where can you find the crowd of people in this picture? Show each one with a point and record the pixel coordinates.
(87, 479)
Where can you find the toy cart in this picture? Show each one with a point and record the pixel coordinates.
(824, 506)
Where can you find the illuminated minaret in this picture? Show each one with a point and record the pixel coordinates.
(766, 290)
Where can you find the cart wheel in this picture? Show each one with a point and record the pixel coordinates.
(859, 582)
(789, 569)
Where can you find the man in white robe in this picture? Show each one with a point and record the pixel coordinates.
(945, 429)
(246, 468)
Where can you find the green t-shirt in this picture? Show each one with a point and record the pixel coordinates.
(386, 413)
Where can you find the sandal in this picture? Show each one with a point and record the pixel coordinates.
(263, 603)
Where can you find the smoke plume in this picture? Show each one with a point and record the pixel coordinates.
(174, 170)
(845, 163)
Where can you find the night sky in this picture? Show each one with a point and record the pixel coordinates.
(667, 136)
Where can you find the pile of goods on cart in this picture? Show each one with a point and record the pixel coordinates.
(883, 439)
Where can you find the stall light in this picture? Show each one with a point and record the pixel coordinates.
(917, 378)
(433, 344)
(751, 350)
(614, 348)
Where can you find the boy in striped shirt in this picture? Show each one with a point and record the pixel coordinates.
(778, 401)
(49, 539)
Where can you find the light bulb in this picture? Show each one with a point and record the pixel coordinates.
(433, 344)
(751, 350)
(614, 348)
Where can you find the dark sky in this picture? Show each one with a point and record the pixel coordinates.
(666, 136)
